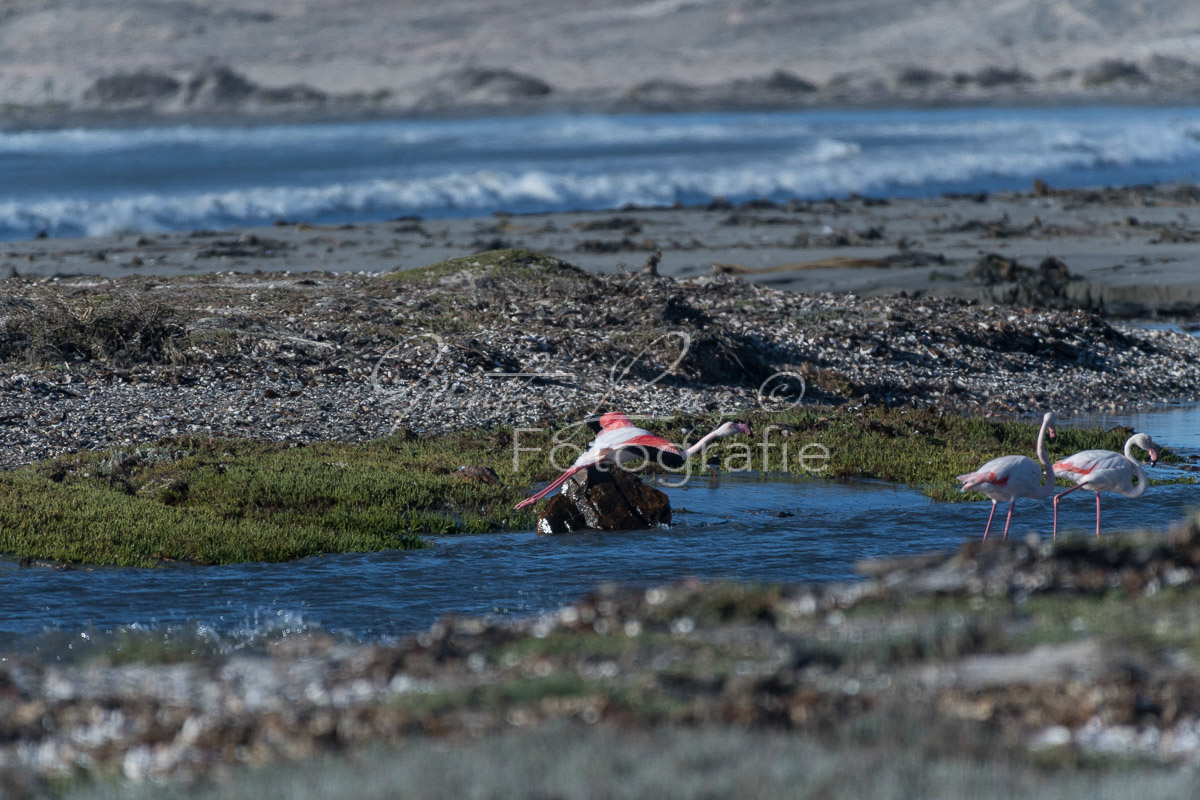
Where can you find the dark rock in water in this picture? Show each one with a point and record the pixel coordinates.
(560, 516)
(601, 499)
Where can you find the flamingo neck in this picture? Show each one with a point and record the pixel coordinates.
(1134, 491)
(1047, 487)
(699, 445)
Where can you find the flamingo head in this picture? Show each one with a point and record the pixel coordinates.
(1146, 443)
(732, 428)
(1050, 420)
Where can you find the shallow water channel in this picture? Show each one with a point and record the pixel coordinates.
(745, 527)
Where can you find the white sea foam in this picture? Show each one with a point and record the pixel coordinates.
(597, 130)
(82, 141)
(560, 162)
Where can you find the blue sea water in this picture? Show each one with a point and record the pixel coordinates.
(71, 182)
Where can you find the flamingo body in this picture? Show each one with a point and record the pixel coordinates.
(1007, 478)
(620, 441)
(1106, 471)
(1098, 470)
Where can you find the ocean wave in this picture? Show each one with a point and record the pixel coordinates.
(829, 168)
(1153, 126)
(483, 133)
(699, 156)
(84, 141)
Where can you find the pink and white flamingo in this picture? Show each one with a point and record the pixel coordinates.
(1010, 477)
(620, 441)
(1106, 471)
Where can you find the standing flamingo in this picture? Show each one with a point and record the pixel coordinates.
(1106, 471)
(619, 440)
(1010, 477)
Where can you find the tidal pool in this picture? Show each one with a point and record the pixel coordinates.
(737, 526)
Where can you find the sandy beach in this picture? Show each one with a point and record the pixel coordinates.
(1128, 252)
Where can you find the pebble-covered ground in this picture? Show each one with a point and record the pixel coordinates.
(512, 338)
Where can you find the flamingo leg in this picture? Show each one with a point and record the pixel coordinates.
(1097, 515)
(989, 525)
(1008, 520)
(1056, 499)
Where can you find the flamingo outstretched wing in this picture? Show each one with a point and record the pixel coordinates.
(618, 434)
(554, 484)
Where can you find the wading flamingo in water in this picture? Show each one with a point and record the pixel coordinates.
(1106, 471)
(619, 441)
(1010, 477)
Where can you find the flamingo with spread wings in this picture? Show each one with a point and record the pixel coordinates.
(1010, 477)
(1106, 471)
(620, 441)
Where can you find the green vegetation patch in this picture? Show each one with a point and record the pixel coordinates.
(212, 502)
(924, 448)
(511, 264)
(208, 501)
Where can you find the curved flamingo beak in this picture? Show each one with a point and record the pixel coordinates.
(741, 427)
(1051, 434)
(1153, 456)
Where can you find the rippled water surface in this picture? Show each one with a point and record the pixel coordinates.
(727, 526)
(98, 181)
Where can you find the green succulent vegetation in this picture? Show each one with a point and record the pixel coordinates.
(207, 501)
(510, 264)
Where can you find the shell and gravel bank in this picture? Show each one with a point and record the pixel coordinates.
(1081, 650)
(516, 338)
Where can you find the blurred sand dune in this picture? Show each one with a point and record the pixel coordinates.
(201, 57)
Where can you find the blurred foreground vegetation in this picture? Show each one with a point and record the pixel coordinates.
(575, 762)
